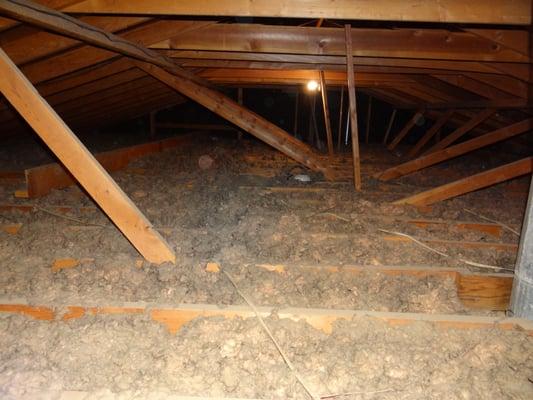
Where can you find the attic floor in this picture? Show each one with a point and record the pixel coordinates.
(277, 238)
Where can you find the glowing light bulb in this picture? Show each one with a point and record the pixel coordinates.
(312, 86)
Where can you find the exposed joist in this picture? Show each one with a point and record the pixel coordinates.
(457, 150)
(405, 130)
(352, 109)
(81, 164)
(466, 185)
(436, 44)
(193, 58)
(41, 180)
(463, 130)
(516, 12)
(321, 319)
(437, 125)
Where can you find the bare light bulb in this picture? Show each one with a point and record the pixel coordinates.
(312, 86)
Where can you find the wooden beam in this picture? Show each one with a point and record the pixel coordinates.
(430, 133)
(405, 130)
(463, 130)
(352, 108)
(496, 12)
(41, 180)
(321, 319)
(191, 58)
(368, 118)
(339, 129)
(247, 120)
(457, 150)
(438, 44)
(471, 183)
(81, 164)
(327, 121)
(389, 126)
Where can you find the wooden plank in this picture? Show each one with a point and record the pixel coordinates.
(389, 126)
(419, 43)
(285, 60)
(437, 125)
(240, 116)
(462, 130)
(510, 247)
(325, 106)
(471, 183)
(42, 180)
(491, 229)
(405, 130)
(352, 108)
(476, 291)
(457, 150)
(496, 12)
(175, 317)
(485, 291)
(83, 166)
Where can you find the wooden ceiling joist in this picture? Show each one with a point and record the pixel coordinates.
(475, 182)
(438, 44)
(193, 58)
(457, 150)
(81, 164)
(517, 12)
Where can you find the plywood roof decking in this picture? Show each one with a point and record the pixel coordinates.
(409, 65)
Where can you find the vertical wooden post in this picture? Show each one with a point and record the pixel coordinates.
(353, 108)
(240, 100)
(391, 121)
(295, 129)
(368, 117)
(325, 106)
(81, 163)
(339, 136)
(522, 294)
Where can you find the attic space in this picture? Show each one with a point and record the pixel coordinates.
(259, 199)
